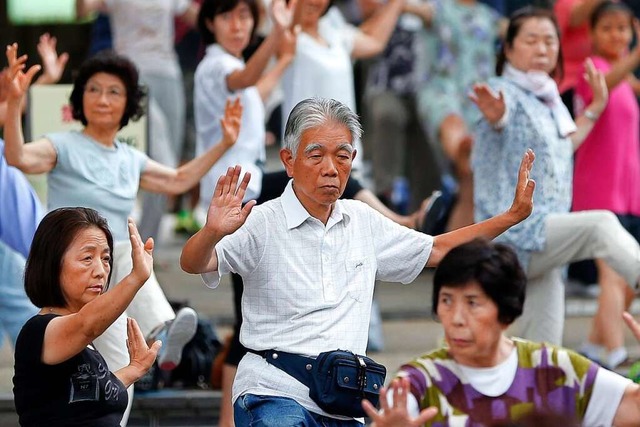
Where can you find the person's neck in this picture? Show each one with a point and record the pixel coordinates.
(313, 30)
(101, 135)
(319, 211)
(234, 54)
(496, 356)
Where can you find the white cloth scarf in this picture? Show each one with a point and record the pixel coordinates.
(545, 89)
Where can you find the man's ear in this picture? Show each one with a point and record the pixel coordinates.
(353, 154)
(287, 160)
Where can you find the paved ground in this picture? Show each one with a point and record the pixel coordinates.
(407, 324)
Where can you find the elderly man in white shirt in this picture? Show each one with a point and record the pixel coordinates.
(310, 261)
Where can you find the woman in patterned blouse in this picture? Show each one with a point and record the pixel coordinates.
(522, 109)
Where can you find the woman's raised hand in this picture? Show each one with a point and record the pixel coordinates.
(522, 205)
(491, 106)
(397, 415)
(282, 13)
(141, 356)
(226, 213)
(52, 63)
(288, 43)
(17, 82)
(598, 85)
(141, 254)
(231, 121)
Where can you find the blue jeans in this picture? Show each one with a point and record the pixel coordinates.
(15, 307)
(251, 410)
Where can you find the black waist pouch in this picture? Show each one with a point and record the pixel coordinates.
(338, 380)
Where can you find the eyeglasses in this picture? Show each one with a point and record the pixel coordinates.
(112, 92)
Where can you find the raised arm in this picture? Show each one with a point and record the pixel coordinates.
(282, 16)
(52, 63)
(491, 105)
(225, 215)
(520, 209)
(38, 156)
(581, 11)
(66, 336)
(622, 68)
(53, 67)
(159, 178)
(375, 32)
(190, 15)
(587, 119)
(286, 54)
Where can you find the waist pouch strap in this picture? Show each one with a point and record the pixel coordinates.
(299, 367)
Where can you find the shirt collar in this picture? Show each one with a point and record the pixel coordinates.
(296, 214)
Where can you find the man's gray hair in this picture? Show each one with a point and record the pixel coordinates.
(314, 112)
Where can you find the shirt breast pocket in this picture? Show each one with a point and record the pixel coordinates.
(357, 278)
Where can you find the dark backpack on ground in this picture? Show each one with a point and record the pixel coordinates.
(194, 370)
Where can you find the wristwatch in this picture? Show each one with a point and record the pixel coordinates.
(591, 115)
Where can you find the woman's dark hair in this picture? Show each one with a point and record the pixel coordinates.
(494, 266)
(209, 9)
(609, 6)
(516, 20)
(111, 63)
(52, 239)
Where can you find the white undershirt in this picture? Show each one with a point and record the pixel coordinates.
(493, 381)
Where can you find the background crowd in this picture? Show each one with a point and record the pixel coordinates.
(450, 94)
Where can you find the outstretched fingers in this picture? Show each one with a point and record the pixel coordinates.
(242, 188)
(524, 173)
(235, 177)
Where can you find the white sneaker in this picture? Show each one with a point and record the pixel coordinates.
(179, 333)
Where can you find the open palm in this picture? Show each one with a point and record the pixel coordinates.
(282, 12)
(491, 105)
(231, 121)
(226, 213)
(141, 253)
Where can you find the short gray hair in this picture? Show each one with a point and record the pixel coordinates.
(314, 112)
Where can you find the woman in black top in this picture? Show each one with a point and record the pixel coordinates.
(60, 379)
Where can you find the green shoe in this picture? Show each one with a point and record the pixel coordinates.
(182, 222)
(634, 372)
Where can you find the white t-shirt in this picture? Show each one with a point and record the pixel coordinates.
(209, 97)
(143, 30)
(323, 70)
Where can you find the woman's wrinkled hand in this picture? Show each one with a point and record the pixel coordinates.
(141, 356)
(522, 205)
(598, 84)
(231, 121)
(17, 82)
(141, 254)
(490, 104)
